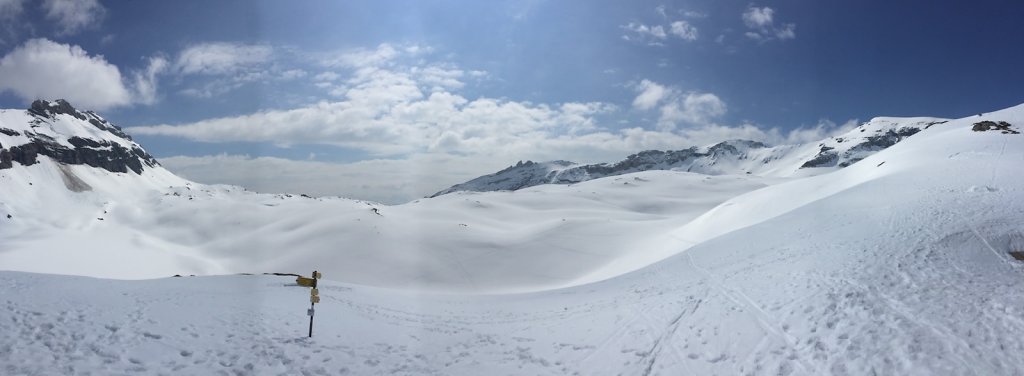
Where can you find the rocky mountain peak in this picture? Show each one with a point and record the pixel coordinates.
(57, 130)
(48, 109)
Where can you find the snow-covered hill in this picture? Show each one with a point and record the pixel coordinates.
(898, 264)
(735, 157)
(83, 220)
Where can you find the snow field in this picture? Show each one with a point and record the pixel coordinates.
(898, 267)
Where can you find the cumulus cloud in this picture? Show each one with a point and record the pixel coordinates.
(684, 30)
(693, 108)
(42, 68)
(72, 16)
(439, 76)
(677, 106)
(45, 69)
(651, 93)
(756, 18)
(656, 35)
(761, 22)
(220, 58)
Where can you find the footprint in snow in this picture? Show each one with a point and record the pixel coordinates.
(151, 335)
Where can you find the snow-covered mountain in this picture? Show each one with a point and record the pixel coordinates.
(899, 264)
(729, 157)
(55, 129)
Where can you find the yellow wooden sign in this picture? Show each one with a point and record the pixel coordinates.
(303, 281)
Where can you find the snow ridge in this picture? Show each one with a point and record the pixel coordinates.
(732, 157)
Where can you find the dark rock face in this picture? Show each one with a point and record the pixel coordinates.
(988, 125)
(887, 139)
(825, 158)
(5, 158)
(110, 156)
(25, 154)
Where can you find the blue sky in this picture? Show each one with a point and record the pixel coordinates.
(393, 100)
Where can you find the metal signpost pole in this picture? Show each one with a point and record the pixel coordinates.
(314, 297)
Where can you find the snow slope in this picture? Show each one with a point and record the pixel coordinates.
(886, 268)
(540, 238)
(75, 218)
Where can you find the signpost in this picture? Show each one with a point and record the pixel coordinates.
(314, 296)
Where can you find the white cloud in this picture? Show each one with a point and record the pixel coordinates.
(416, 49)
(824, 129)
(45, 69)
(662, 10)
(439, 76)
(757, 18)
(73, 16)
(650, 95)
(358, 58)
(221, 58)
(655, 35)
(676, 106)
(761, 22)
(389, 110)
(694, 108)
(787, 31)
(695, 14)
(146, 80)
(684, 30)
(641, 32)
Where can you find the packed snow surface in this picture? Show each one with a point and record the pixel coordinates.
(898, 264)
(534, 239)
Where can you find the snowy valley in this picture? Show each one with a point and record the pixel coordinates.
(885, 250)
